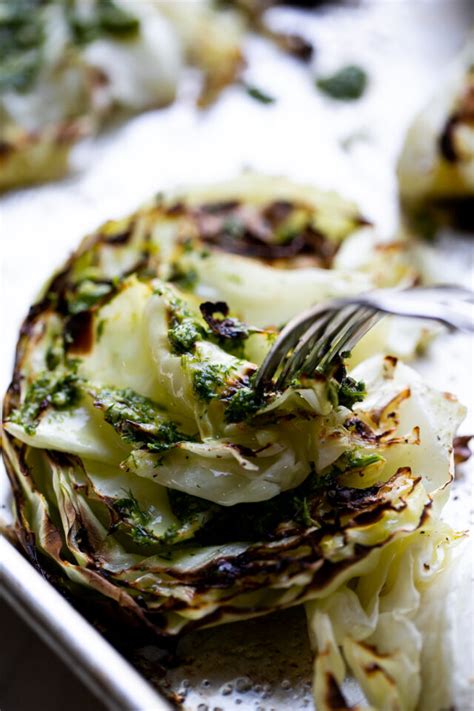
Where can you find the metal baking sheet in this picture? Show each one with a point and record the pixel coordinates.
(404, 45)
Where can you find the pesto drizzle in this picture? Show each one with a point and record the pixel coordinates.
(50, 390)
(23, 34)
(21, 42)
(107, 18)
(138, 420)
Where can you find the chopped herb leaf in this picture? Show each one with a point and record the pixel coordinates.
(304, 512)
(100, 328)
(259, 95)
(348, 84)
(350, 461)
(360, 461)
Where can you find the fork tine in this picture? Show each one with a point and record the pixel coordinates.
(342, 323)
(322, 333)
(311, 345)
(303, 346)
(449, 305)
(318, 327)
(363, 328)
(287, 339)
(359, 326)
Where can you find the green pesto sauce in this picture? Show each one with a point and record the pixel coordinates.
(184, 329)
(108, 18)
(243, 404)
(184, 280)
(49, 390)
(183, 334)
(21, 41)
(256, 521)
(126, 404)
(208, 380)
(350, 392)
(23, 28)
(138, 420)
(87, 294)
(135, 518)
(55, 354)
(260, 521)
(342, 390)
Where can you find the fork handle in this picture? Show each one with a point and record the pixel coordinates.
(452, 306)
(316, 343)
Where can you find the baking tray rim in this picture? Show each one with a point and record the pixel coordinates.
(90, 656)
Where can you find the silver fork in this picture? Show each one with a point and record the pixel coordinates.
(314, 339)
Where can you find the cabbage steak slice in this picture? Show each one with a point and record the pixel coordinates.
(151, 477)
